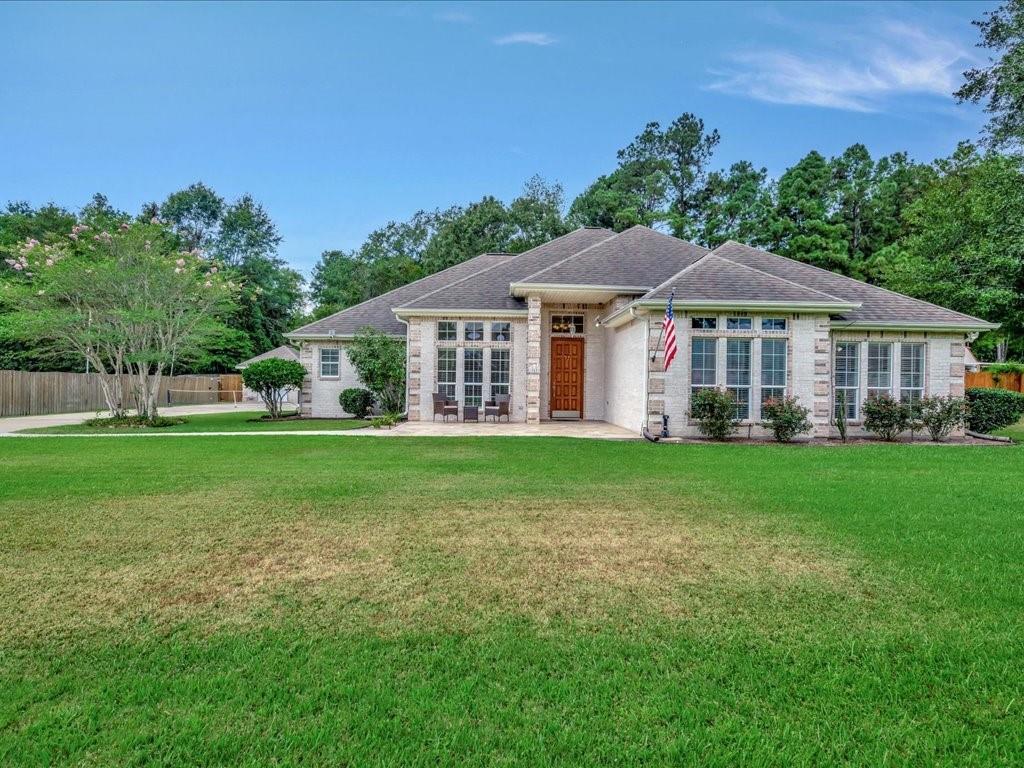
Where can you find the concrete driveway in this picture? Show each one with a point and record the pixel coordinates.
(17, 423)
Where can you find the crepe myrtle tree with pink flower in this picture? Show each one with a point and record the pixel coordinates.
(126, 300)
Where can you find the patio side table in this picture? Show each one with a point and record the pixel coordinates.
(470, 413)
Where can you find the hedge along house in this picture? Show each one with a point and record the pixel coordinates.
(570, 330)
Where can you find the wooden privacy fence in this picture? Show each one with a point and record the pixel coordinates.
(30, 393)
(988, 380)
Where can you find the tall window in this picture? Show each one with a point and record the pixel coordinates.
(773, 369)
(848, 377)
(737, 374)
(446, 371)
(330, 361)
(702, 364)
(879, 368)
(911, 372)
(501, 371)
(473, 376)
(446, 330)
(474, 331)
(567, 324)
(501, 331)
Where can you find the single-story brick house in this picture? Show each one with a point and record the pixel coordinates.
(570, 330)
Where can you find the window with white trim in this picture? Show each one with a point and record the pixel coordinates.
(330, 362)
(773, 369)
(773, 324)
(446, 371)
(737, 375)
(738, 324)
(702, 364)
(473, 377)
(501, 371)
(501, 331)
(847, 381)
(567, 324)
(911, 372)
(704, 323)
(473, 331)
(447, 330)
(879, 368)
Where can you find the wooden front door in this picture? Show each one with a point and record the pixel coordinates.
(566, 377)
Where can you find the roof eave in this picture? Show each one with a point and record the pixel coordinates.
(401, 312)
(795, 306)
(900, 325)
(328, 336)
(522, 290)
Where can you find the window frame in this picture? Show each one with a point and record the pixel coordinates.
(442, 385)
(766, 320)
(336, 362)
(477, 383)
(772, 388)
(477, 326)
(875, 389)
(852, 403)
(739, 388)
(450, 326)
(501, 384)
(704, 323)
(916, 392)
(738, 323)
(703, 343)
(507, 332)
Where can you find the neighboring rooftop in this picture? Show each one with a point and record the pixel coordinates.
(284, 352)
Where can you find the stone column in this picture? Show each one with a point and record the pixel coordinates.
(415, 341)
(821, 415)
(533, 331)
(655, 361)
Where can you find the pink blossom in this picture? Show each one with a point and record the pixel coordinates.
(49, 262)
(73, 236)
(40, 293)
(213, 270)
(17, 266)
(154, 220)
(177, 270)
(207, 283)
(180, 262)
(148, 245)
(125, 227)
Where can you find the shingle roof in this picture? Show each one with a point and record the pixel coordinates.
(877, 305)
(714, 279)
(376, 312)
(638, 257)
(284, 352)
(489, 288)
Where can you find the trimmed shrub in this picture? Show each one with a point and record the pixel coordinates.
(941, 415)
(356, 401)
(886, 417)
(715, 413)
(272, 380)
(386, 420)
(990, 409)
(117, 422)
(786, 418)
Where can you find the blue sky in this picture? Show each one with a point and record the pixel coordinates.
(342, 117)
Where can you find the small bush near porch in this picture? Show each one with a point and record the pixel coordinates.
(359, 600)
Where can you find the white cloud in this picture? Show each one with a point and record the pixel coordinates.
(526, 38)
(899, 60)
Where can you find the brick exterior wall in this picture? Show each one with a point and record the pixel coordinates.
(319, 396)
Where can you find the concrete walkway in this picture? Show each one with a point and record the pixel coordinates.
(580, 429)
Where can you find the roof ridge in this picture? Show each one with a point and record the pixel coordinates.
(406, 285)
(493, 266)
(851, 279)
(776, 277)
(573, 255)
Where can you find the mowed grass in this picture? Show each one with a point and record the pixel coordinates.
(229, 421)
(1015, 431)
(522, 601)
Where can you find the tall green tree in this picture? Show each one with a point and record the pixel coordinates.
(1000, 85)
(624, 198)
(965, 247)
(194, 213)
(737, 205)
(803, 228)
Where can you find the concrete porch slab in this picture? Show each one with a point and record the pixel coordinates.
(586, 429)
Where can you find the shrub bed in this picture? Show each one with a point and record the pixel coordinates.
(136, 421)
(993, 408)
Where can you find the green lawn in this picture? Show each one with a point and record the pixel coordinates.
(1016, 431)
(229, 421)
(509, 601)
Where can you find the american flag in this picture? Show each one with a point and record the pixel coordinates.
(668, 327)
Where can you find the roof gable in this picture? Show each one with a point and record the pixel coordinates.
(640, 257)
